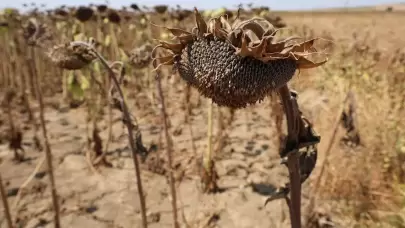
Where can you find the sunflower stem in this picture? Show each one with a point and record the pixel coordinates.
(48, 152)
(292, 157)
(169, 150)
(207, 159)
(131, 139)
(5, 204)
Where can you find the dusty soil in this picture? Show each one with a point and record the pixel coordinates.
(248, 165)
(108, 197)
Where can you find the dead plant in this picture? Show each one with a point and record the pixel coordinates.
(6, 207)
(267, 66)
(68, 58)
(169, 149)
(15, 136)
(48, 152)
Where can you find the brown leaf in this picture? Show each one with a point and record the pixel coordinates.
(176, 48)
(202, 26)
(243, 51)
(225, 24)
(177, 32)
(287, 50)
(304, 63)
(184, 39)
(271, 31)
(214, 26)
(272, 56)
(235, 37)
(166, 60)
(275, 48)
(259, 49)
(256, 28)
(304, 46)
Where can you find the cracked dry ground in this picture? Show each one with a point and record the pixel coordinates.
(109, 198)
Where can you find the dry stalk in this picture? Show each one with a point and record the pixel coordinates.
(330, 145)
(48, 152)
(27, 181)
(130, 128)
(294, 204)
(316, 186)
(5, 204)
(209, 175)
(15, 138)
(277, 116)
(78, 54)
(169, 150)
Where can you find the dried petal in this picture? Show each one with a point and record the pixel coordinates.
(304, 63)
(176, 48)
(201, 25)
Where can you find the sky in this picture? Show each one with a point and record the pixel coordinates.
(210, 4)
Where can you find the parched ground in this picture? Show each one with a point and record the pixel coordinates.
(107, 197)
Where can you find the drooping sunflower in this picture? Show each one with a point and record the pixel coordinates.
(235, 64)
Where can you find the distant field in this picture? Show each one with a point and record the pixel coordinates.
(395, 8)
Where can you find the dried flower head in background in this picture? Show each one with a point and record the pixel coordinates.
(141, 57)
(4, 24)
(235, 65)
(277, 21)
(36, 33)
(114, 17)
(135, 7)
(10, 94)
(61, 13)
(161, 8)
(181, 14)
(84, 14)
(102, 8)
(73, 55)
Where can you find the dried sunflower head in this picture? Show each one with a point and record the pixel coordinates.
(72, 56)
(181, 14)
(114, 17)
(84, 13)
(4, 24)
(134, 6)
(36, 33)
(140, 57)
(102, 8)
(60, 12)
(235, 65)
(161, 8)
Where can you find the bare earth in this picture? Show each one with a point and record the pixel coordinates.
(107, 197)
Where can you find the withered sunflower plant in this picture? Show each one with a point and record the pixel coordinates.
(239, 64)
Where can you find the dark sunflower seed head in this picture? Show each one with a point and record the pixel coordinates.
(134, 7)
(61, 12)
(84, 13)
(161, 8)
(114, 17)
(228, 79)
(102, 8)
(235, 64)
